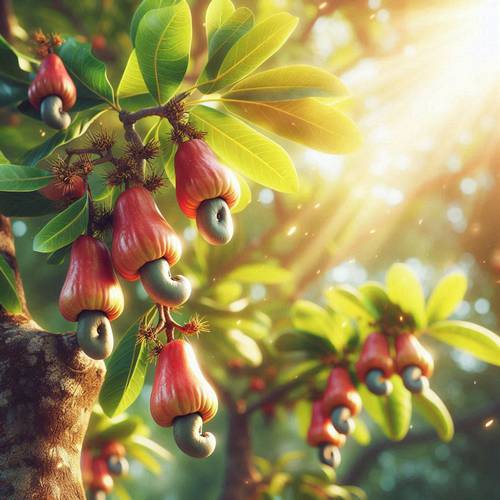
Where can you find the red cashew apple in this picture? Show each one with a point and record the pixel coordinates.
(146, 246)
(53, 92)
(341, 401)
(91, 295)
(375, 365)
(101, 478)
(257, 384)
(206, 190)
(182, 397)
(58, 190)
(413, 362)
(322, 434)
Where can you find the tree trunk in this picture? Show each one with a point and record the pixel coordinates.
(241, 478)
(48, 387)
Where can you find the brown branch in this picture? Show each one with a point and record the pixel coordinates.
(365, 460)
(6, 16)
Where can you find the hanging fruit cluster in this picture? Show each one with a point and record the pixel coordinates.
(100, 466)
(334, 413)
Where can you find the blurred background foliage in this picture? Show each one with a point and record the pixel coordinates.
(424, 190)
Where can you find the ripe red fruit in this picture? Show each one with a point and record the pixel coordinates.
(182, 397)
(52, 79)
(205, 190)
(146, 246)
(71, 190)
(322, 434)
(98, 43)
(101, 478)
(257, 384)
(113, 448)
(413, 362)
(341, 400)
(375, 365)
(91, 295)
(53, 92)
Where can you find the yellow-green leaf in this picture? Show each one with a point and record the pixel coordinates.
(217, 14)
(446, 297)
(405, 290)
(245, 150)
(8, 292)
(287, 83)
(132, 83)
(430, 406)
(307, 121)
(260, 273)
(474, 339)
(245, 196)
(252, 49)
(349, 301)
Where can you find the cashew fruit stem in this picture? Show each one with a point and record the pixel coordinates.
(94, 334)
(377, 383)
(342, 420)
(190, 438)
(214, 221)
(329, 455)
(51, 111)
(413, 379)
(161, 286)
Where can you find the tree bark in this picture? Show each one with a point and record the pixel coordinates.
(241, 477)
(48, 387)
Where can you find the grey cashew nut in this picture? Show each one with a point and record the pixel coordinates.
(190, 438)
(161, 286)
(94, 334)
(52, 113)
(377, 383)
(329, 455)
(214, 221)
(117, 466)
(342, 420)
(413, 379)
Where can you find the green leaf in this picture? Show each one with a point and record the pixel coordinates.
(17, 178)
(64, 228)
(245, 150)
(126, 371)
(303, 412)
(132, 83)
(266, 273)
(152, 446)
(405, 290)
(305, 342)
(143, 456)
(361, 433)
(474, 339)
(57, 258)
(144, 7)
(430, 406)
(167, 149)
(245, 196)
(26, 205)
(310, 317)
(251, 50)
(12, 92)
(163, 43)
(446, 297)
(80, 124)
(349, 301)
(88, 71)
(374, 293)
(307, 121)
(288, 83)
(9, 69)
(239, 23)
(8, 291)
(217, 14)
(120, 430)
(245, 346)
(3, 159)
(392, 413)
